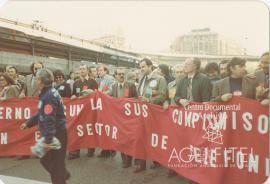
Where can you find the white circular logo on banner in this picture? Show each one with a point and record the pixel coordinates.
(78, 90)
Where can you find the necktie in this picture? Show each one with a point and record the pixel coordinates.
(142, 86)
(189, 81)
(33, 82)
(266, 80)
(120, 91)
(189, 89)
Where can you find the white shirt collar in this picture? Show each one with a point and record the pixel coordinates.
(191, 76)
(120, 83)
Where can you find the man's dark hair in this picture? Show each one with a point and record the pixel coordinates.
(90, 67)
(236, 61)
(164, 69)
(212, 66)
(33, 64)
(16, 70)
(225, 61)
(70, 74)
(58, 73)
(118, 68)
(147, 61)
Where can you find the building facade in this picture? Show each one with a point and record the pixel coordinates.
(203, 41)
(113, 41)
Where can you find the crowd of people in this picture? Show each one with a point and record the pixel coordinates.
(162, 85)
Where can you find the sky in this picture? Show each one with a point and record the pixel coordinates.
(149, 26)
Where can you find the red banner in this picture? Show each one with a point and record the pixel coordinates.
(206, 142)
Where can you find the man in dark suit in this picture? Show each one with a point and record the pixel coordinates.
(123, 89)
(236, 84)
(195, 87)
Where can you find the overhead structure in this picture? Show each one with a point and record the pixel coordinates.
(37, 41)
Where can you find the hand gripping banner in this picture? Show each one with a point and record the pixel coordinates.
(206, 142)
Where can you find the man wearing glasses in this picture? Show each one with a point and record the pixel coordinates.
(123, 89)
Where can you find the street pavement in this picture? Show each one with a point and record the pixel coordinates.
(85, 171)
(16, 180)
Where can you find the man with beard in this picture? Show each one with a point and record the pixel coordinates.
(262, 80)
(236, 84)
(223, 68)
(18, 79)
(211, 70)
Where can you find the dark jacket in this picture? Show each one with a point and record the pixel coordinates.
(159, 84)
(169, 79)
(223, 86)
(262, 78)
(50, 116)
(129, 90)
(201, 88)
(82, 85)
(64, 90)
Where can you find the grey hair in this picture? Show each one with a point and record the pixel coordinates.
(130, 75)
(178, 66)
(46, 76)
(196, 61)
